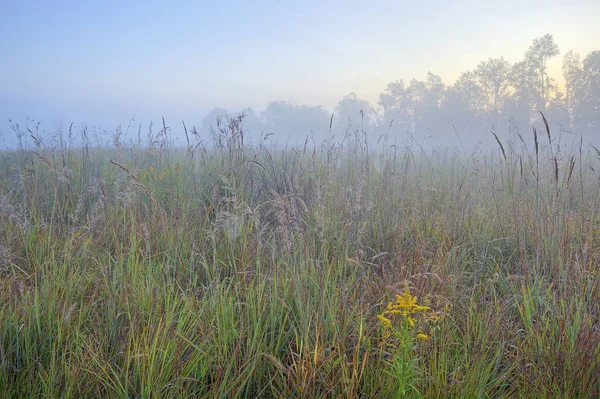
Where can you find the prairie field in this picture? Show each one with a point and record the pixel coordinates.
(352, 268)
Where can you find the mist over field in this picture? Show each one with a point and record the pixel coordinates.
(496, 95)
(303, 70)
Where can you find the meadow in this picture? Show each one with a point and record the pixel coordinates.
(342, 269)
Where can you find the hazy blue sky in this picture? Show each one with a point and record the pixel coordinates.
(104, 61)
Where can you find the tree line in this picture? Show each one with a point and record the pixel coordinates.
(496, 95)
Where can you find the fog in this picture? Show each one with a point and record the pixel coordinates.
(495, 96)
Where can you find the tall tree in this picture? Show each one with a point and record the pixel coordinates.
(536, 58)
(588, 94)
(571, 69)
(464, 105)
(354, 112)
(396, 104)
(493, 76)
(466, 94)
(425, 100)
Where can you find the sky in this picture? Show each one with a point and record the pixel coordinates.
(102, 62)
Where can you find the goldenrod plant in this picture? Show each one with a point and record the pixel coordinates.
(401, 321)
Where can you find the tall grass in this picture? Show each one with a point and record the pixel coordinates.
(231, 270)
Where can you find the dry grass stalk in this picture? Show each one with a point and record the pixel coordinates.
(137, 182)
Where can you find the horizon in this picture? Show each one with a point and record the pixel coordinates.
(104, 64)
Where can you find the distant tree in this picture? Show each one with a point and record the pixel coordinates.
(209, 122)
(516, 111)
(413, 108)
(571, 69)
(537, 56)
(353, 112)
(252, 125)
(464, 106)
(218, 119)
(493, 76)
(521, 82)
(587, 112)
(396, 103)
(532, 87)
(517, 107)
(295, 121)
(426, 94)
(425, 99)
(557, 110)
(467, 94)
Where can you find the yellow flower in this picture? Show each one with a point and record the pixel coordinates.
(385, 321)
(422, 336)
(406, 306)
